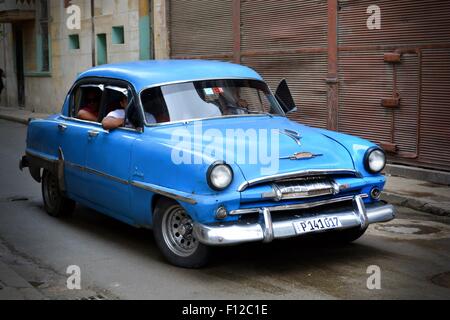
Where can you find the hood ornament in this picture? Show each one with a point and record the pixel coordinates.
(302, 156)
(294, 135)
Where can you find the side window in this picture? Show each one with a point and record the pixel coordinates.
(86, 102)
(155, 108)
(119, 102)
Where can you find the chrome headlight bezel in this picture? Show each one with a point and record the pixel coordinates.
(373, 151)
(219, 165)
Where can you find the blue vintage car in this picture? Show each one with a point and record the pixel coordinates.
(204, 155)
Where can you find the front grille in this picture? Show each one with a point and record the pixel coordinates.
(302, 188)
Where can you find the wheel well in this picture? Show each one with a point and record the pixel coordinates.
(158, 197)
(155, 201)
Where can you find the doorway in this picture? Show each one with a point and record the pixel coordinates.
(18, 37)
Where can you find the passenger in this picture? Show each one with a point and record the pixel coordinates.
(90, 111)
(116, 118)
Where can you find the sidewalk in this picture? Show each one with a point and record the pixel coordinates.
(14, 287)
(19, 115)
(416, 194)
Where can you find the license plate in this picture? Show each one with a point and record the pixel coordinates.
(317, 224)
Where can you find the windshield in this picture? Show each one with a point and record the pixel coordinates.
(208, 99)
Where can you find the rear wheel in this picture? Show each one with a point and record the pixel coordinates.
(173, 234)
(55, 203)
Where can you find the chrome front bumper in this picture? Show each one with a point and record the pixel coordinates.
(267, 229)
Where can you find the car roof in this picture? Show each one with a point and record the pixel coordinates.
(150, 73)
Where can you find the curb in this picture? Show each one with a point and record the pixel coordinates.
(13, 118)
(14, 287)
(415, 204)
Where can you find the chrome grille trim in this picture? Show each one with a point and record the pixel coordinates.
(300, 189)
(296, 174)
(297, 206)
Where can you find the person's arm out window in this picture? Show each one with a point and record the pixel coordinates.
(114, 119)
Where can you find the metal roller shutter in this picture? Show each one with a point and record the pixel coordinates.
(283, 24)
(435, 109)
(414, 127)
(364, 79)
(403, 22)
(273, 36)
(305, 74)
(393, 83)
(200, 27)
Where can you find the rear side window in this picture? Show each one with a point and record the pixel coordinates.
(155, 108)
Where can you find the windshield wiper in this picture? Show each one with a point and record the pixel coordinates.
(258, 112)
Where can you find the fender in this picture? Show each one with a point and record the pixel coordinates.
(35, 162)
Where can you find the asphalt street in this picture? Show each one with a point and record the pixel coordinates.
(118, 261)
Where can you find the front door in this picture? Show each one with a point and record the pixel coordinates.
(108, 158)
(108, 169)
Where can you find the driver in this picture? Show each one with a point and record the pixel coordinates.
(116, 118)
(234, 103)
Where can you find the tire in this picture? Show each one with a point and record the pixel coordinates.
(344, 236)
(55, 203)
(172, 229)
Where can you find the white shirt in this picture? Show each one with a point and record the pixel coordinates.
(118, 114)
(150, 117)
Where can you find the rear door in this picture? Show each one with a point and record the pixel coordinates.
(73, 140)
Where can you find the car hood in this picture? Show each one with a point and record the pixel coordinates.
(272, 157)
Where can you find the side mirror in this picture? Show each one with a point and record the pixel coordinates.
(284, 97)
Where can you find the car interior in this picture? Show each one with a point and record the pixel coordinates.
(155, 108)
(106, 98)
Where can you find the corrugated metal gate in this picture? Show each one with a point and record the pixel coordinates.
(267, 37)
(396, 80)
(390, 85)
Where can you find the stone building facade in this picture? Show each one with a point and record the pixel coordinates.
(44, 46)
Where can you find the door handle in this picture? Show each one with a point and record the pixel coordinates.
(62, 127)
(93, 133)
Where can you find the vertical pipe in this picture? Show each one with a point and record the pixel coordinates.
(419, 104)
(394, 95)
(236, 21)
(93, 32)
(332, 77)
(145, 30)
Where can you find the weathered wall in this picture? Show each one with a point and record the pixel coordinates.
(161, 35)
(67, 63)
(9, 94)
(45, 92)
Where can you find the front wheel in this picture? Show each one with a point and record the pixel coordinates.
(173, 234)
(55, 203)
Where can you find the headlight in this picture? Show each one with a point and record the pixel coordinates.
(219, 176)
(375, 160)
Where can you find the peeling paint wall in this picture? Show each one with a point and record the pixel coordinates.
(46, 92)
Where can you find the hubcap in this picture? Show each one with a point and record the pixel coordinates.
(177, 229)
